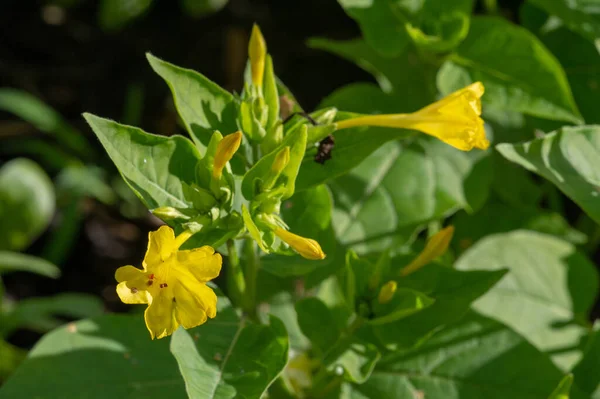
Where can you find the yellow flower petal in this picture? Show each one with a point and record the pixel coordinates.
(225, 150)
(202, 262)
(308, 248)
(455, 119)
(132, 295)
(159, 316)
(194, 305)
(125, 273)
(173, 283)
(435, 247)
(257, 51)
(161, 244)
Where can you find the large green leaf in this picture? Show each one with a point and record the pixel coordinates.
(582, 16)
(113, 356)
(397, 189)
(202, 104)
(157, 168)
(586, 371)
(549, 288)
(18, 262)
(569, 158)
(472, 359)
(453, 292)
(26, 203)
(518, 72)
(255, 355)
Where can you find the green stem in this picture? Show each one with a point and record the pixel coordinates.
(251, 273)
(236, 285)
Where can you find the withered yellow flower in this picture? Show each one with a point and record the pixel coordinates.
(172, 283)
(308, 248)
(257, 52)
(225, 150)
(436, 246)
(387, 291)
(455, 119)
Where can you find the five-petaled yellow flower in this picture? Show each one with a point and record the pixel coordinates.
(455, 119)
(172, 283)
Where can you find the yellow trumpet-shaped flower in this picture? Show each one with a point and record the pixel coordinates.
(308, 248)
(172, 283)
(257, 52)
(435, 247)
(386, 293)
(455, 119)
(225, 150)
(281, 160)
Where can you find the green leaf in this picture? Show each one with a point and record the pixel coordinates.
(18, 262)
(317, 323)
(500, 218)
(453, 292)
(569, 158)
(397, 189)
(357, 361)
(255, 356)
(157, 168)
(113, 356)
(434, 25)
(39, 314)
(550, 285)
(396, 75)
(582, 16)
(116, 14)
(472, 359)
(586, 371)
(518, 72)
(202, 104)
(26, 203)
(563, 388)
(581, 61)
(381, 27)
(44, 118)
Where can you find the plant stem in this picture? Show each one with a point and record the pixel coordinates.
(236, 285)
(251, 272)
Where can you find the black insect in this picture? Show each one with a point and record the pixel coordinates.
(324, 151)
(325, 146)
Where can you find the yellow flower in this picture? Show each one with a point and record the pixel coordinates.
(257, 51)
(435, 247)
(308, 248)
(225, 150)
(386, 293)
(172, 283)
(455, 119)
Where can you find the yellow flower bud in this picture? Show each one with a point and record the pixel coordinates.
(435, 247)
(225, 150)
(281, 160)
(455, 119)
(257, 51)
(386, 293)
(308, 248)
